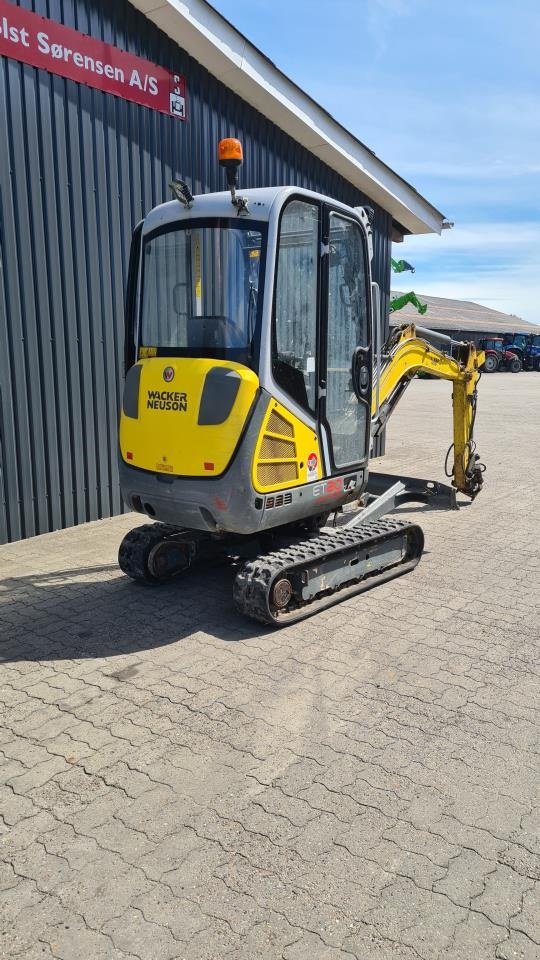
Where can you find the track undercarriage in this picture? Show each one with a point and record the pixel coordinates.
(284, 576)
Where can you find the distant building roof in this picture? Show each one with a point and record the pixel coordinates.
(443, 314)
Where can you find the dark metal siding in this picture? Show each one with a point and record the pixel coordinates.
(78, 168)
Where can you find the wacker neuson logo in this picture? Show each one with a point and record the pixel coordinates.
(166, 400)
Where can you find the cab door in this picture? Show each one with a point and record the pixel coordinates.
(346, 369)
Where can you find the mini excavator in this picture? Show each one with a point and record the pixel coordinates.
(256, 386)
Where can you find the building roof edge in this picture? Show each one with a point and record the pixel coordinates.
(225, 52)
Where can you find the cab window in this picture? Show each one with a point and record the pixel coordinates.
(295, 303)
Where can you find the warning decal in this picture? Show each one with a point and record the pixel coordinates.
(312, 464)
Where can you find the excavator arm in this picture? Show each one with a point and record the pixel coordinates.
(405, 354)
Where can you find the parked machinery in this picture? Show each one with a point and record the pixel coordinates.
(526, 347)
(499, 356)
(256, 383)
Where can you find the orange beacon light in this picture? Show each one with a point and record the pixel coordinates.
(230, 152)
(230, 156)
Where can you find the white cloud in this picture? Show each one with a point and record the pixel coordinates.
(508, 294)
(490, 170)
(381, 16)
(497, 264)
(513, 239)
(480, 135)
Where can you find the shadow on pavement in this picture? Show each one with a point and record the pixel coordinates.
(76, 614)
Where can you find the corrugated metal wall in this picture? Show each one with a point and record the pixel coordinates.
(78, 168)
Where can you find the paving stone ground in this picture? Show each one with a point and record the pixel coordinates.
(179, 783)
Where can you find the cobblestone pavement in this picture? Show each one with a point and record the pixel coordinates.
(180, 783)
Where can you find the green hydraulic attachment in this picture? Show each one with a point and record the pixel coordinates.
(398, 302)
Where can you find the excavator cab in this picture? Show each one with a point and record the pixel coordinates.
(253, 392)
(249, 360)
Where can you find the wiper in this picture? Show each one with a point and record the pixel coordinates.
(252, 302)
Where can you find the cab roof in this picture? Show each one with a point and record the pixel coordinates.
(260, 203)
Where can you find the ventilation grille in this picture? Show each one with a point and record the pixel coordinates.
(274, 449)
(270, 474)
(281, 500)
(277, 464)
(278, 424)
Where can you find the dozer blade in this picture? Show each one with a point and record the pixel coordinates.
(307, 576)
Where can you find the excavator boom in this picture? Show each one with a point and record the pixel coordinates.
(405, 354)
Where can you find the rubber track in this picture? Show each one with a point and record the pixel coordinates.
(254, 581)
(135, 547)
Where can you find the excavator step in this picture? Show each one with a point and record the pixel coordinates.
(307, 576)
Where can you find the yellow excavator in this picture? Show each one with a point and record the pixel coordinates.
(256, 385)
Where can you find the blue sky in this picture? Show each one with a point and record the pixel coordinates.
(448, 94)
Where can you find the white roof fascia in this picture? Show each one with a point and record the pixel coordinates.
(211, 40)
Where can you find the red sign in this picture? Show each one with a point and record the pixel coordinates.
(50, 46)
